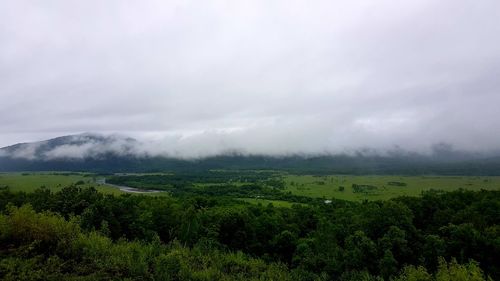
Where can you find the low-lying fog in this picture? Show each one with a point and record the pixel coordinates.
(193, 79)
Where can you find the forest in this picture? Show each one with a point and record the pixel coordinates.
(79, 233)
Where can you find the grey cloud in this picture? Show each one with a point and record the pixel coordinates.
(25, 151)
(191, 79)
(85, 150)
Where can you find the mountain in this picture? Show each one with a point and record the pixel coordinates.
(107, 154)
(73, 146)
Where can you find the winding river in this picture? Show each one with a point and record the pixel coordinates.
(127, 188)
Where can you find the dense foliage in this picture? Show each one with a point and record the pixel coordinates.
(182, 182)
(232, 184)
(407, 164)
(81, 234)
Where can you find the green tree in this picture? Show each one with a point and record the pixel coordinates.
(388, 265)
(360, 252)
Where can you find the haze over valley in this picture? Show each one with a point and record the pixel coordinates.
(194, 80)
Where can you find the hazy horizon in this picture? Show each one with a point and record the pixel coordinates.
(96, 145)
(198, 78)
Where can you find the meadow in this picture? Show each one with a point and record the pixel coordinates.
(55, 181)
(373, 187)
(384, 187)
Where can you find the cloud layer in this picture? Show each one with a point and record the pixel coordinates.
(198, 78)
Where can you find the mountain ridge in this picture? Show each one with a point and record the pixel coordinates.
(115, 153)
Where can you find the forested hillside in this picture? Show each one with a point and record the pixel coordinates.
(327, 164)
(109, 154)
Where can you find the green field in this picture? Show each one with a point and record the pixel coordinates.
(328, 186)
(28, 182)
(381, 187)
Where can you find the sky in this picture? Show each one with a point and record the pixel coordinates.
(267, 76)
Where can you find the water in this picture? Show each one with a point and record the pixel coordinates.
(127, 188)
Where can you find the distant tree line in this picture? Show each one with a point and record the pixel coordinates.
(412, 164)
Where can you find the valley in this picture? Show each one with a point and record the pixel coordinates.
(253, 184)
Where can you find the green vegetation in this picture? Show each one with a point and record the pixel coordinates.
(359, 188)
(176, 182)
(244, 184)
(45, 246)
(250, 225)
(265, 185)
(301, 188)
(78, 233)
(265, 202)
(29, 182)
(413, 165)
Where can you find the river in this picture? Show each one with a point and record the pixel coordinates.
(127, 188)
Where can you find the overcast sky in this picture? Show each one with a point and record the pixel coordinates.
(262, 76)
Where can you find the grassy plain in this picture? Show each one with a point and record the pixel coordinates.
(28, 182)
(328, 186)
(306, 185)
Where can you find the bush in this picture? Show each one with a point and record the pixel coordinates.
(46, 230)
